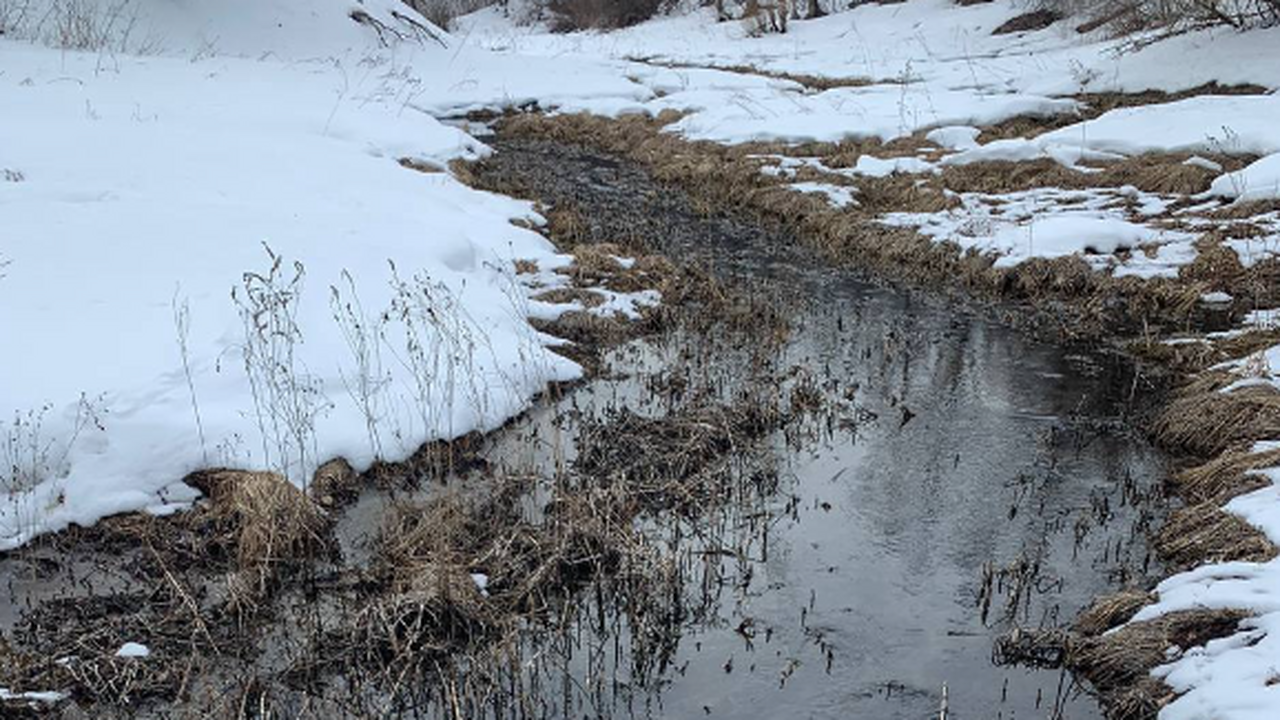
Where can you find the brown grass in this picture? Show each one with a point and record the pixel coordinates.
(1119, 663)
(1112, 611)
(1206, 423)
(1205, 533)
(1225, 477)
(664, 462)
(426, 552)
(263, 519)
(562, 296)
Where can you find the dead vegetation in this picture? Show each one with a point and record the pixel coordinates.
(1119, 663)
(673, 462)
(1205, 533)
(1071, 298)
(266, 523)
(1111, 611)
(1204, 422)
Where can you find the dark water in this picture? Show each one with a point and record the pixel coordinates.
(854, 590)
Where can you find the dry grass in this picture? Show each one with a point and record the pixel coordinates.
(1225, 477)
(1206, 423)
(671, 461)
(264, 520)
(1120, 662)
(426, 603)
(335, 484)
(1205, 533)
(1111, 611)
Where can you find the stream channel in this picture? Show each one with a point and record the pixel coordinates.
(965, 465)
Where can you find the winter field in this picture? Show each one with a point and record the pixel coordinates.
(234, 235)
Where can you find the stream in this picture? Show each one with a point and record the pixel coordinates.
(973, 479)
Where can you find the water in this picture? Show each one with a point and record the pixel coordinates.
(961, 447)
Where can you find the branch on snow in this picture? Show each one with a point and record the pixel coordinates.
(388, 33)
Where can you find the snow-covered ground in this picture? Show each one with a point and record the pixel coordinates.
(192, 147)
(929, 65)
(143, 180)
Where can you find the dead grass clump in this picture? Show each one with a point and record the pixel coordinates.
(1002, 176)
(1205, 422)
(458, 571)
(1225, 477)
(1112, 611)
(335, 484)
(265, 521)
(1161, 173)
(563, 296)
(1152, 172)
(1120, 662)
(664, 461)
(1246, 210)
(566, 226)
(900, 193)
(421, 166)
(1205, 533)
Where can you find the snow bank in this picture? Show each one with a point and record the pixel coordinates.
(884, 112)
(1233, 678)
(1258, 181)
(140, 192)
(1232, 124)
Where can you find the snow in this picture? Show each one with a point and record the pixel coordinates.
(1232, 124)
(877, 167)
(1232, 678)
(1207, 164)
(1259, 368)
(133, 650)
(884, 112)
(954, 137)
(1258, 181)
(1051, 223)
(46, 697)
(145, 187)
(838, 195)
